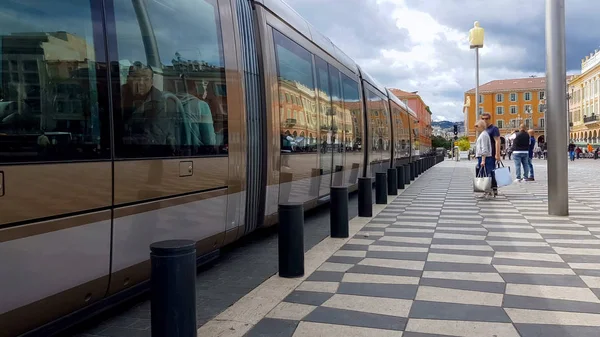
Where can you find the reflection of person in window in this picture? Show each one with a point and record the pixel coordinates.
(146, 118)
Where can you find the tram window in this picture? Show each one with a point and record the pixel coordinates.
(49, 95)
(352, 106)
(295, 71)
(378, 124)
(173, 97)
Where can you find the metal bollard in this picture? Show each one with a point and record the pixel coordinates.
(291, 240)
(401, 176)
(392, 181)
(412, 170)
(338, 212)
(381, 188)
(406, 173)
(365, 197)
(173, 288)
(417, 171)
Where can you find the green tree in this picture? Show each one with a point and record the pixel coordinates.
(437, 141)
(463, 144)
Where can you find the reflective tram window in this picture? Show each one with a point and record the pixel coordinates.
(49, 105)
(353, 124)
(379, 126)
(298, 118)
(173, 97)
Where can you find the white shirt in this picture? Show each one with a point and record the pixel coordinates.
(483, 146)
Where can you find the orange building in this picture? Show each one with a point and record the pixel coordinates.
(416, 103)
(511, 102)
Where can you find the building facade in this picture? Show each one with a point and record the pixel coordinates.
(424, 128)
(511, 102)
(584, 102)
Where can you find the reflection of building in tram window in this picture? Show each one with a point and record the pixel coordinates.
(187, 112)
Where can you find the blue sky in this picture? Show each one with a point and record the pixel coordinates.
(422, 44)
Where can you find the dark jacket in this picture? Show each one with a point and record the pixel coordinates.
(521, 143)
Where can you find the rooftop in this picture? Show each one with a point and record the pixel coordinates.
(512, 84)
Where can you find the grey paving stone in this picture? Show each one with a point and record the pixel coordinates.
(528, 302)
(521, 249)
(270, 327)
(515, 240)
(459, 242)
(326, 276)
(587, 272)
(543, 330)
(398, 255)
(580, 258)
(402, 291)
(345, 259)
(512, 230)
(416, 334)
(400, 244)
(462, 252)
(356, 318)
(382, 271)
(409, 234)
(529, 263)
(307, 297)
(490, 287)
(455, 311)
(549, 280)
(464, 267)
(570, 236)
(354, 247)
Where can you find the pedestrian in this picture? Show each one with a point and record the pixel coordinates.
(530, 159)
(572, 151)
(483, 150)
(578, 152)
(490, 162)
(521, 153)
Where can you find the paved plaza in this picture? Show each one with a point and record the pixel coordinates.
(437, 261)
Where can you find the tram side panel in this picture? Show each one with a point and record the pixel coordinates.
(178, 130)
(55, 167)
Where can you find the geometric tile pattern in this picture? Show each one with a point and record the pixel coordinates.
(438, 261)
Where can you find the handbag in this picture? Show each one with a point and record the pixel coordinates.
(502, 175)
(481, 182)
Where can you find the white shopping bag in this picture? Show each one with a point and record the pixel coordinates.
(503, 175)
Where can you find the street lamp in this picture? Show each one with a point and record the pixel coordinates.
(475, 42)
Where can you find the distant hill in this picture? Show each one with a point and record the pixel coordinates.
(445, 124)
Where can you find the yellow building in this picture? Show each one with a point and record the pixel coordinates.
(584, 102)
(510, 102)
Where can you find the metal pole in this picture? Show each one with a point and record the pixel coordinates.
(558, 174)
(477, 114)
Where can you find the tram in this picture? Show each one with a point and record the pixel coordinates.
(126, 122)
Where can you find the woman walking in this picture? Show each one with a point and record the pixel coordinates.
(483, 149)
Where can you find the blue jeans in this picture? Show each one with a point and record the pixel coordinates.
(530, 165)
(521, 159)
(572, 155)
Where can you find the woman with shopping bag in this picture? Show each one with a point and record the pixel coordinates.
(483, 149)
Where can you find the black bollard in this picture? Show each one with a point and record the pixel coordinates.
(406, 173)
(412, 170)
(401, 176)
(417, 172)
(392, 181)
(338, 212)
(173, 288)
(381, 188)
(365, 197)
(291, 240)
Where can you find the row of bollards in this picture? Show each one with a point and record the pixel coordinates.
(173, 262)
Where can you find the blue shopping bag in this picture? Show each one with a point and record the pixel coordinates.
(502, 175)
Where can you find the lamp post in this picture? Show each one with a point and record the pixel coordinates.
(476, 35)
(556, 81)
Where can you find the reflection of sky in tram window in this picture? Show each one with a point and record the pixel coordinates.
(43, 16)
(295, 63)
(350, 89)
(188, 27)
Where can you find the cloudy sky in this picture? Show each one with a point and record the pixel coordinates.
(423, 44)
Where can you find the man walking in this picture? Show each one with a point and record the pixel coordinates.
(530, 161)
(521, 153)
(572, 151)
(490, 162)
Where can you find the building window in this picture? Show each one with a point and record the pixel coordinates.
(528, 123)
(500, 110)
(480, 98)
(542, 95)
(480, 110)
(500, 124)
(527, 108)
(513, 97)
(527, 96)
(541, 108)
(542, 122)
(513, 109)
(499, 98)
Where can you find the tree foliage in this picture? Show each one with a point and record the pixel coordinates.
(437, 141)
